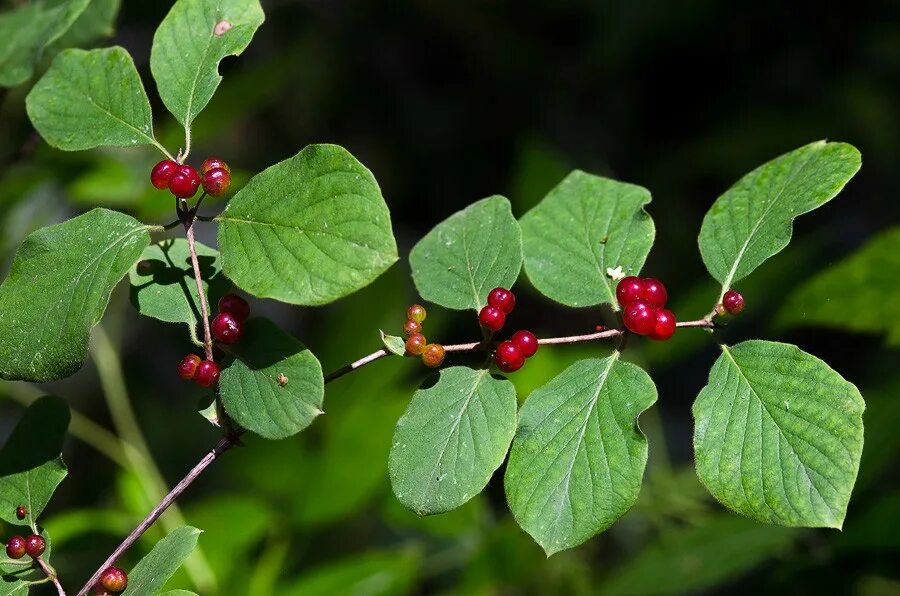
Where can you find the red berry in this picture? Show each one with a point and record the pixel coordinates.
(162, 172)
(114, 580)
(35, 546)
(21, 512)
(508, 357)
(184, 182)
(235, 306)
(733, 302)
(410, 327)
(491, 317)
(433, 356)
(226, 328)
(216, 182)
(415, 344)
(640, 317)
(630, 288)
(211, 163)
(15, 547)
(665, 324)
(207, 373)
(416, 313)
(187, 368)
(654, 292)
(502, 299)
(526, 342)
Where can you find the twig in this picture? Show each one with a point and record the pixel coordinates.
(51, 575)
(204, 309)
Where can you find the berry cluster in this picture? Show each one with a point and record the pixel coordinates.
(182, 180)
(113, 580)
(501, 302)
(227, 327)
(511, 354)
(33, 546)
(416, 345)
(642, 300)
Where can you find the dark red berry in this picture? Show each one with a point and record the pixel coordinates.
(415, 344)
(35, 546)
(211, 163)
(491, 317)
(416, 313)
(114, 580)
(235, 306)
(433, 356)
(733, 302)
(508, 357)
(226, 328)
(526, 342)
(15, 547)
(640, 317)
(654, 292)
(184, 182)
(21, 512)
(665, 325)
(216, 182)
(410, 327)
(630, 288)
(207, 373)
(187, 368)
(502, 299)
(162, 172)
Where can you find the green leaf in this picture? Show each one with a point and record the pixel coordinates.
(308, 230)
(468, 254)
(57, 290)
(91, 99)
(97, 21)
(27, 30)
(858, 294)
(250, 387)
(31, 465)
(584, 226)
(163, 284)
(578, 459)
(393, 344)
(375, 573)
(753, 220)
(778, 435)
(189, 44)
(451, 439)
(154, 570)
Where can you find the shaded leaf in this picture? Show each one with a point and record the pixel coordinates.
(154, 570)
(376, 573)
(97, 21)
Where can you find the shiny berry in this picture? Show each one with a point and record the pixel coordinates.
(733, 302)
(410, 327)
(416, 313)
(162, 172)
(665, 325)
(226, 328)
(433, 356)
(491, 317)
(15, 547)
(114, 580)
(502, 299)
(212, 163)
(235, 306)
(187, 368)
(508, 357)
(415, 344)
(654, 292)
(35, 546)
(629, 289)
(207, 373)
(526, 342)
(21, 512)
(184, 182)
(216, 182)
(640, 317)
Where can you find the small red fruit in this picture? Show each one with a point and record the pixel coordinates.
(491, 317)
(410, 327)
(35, 546)
(21, 512)
(416, 313)
(508, 357)
(207, 373)
(187, 368)
(733, 302)
(184, 182)
(162, 172)
(665, 325)
(526, 342)
(640, 317)
(211, 163)
(415, 344)
(433, 356)
(654, 292)
(15, 547)
(114, 580)
(502, 299)
(216, 182)
(235, 306)
(226, 328)
(630, 288)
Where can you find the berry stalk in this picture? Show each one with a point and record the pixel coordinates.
(204, 307)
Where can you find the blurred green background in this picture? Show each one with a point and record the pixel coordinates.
(448, 102)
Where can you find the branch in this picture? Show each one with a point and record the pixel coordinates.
(204, 308)
(51, 575)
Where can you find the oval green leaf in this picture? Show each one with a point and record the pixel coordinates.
(58, 288)
(469, 254)
(577, 462)
(584, 226)
(275, 386)
(778, 435)
(753, 220)
(152, 572)
(308, 230)
(451, 439)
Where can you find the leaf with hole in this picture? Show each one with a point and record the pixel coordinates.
(154, 570)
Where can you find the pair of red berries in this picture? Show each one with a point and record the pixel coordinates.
(511, 354)
(501, 302)
(183, 180)
(227, 327)
(416, 343)
(643, 300)
(33, 546)
(113, 580)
